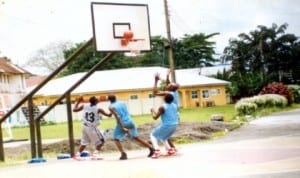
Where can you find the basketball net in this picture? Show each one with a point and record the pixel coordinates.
(133, 45)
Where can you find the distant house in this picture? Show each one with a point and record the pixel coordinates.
(209, 71)
(34, 80)
(134, 85)
(12, 84)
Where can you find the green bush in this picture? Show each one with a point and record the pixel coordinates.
(295, 90)
(245, 107)
(248, 106)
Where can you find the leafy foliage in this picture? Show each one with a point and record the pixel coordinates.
(191, 51)
(277, 88)
(250, 105)
(295, 90)
(87, 59)
(263, 56)
(194, 51)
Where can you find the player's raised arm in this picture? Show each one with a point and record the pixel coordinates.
(168, 77)
(77, 107)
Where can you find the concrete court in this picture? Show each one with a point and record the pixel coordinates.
(267, 147)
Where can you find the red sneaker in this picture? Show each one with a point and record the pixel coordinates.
(171, 152)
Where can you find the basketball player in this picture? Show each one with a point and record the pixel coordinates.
(90, 120)
(172, 88)
(125, 126)
(169, 124)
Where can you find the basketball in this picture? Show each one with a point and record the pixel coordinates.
(128, 35)
(124, 42)
(102, 98)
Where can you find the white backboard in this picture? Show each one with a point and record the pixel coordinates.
(111, 20)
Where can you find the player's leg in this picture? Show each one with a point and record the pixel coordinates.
(171, 143)
(97, 139)
(156, 135)
(145, 144)
(165, 136)
(118, 135)
(120, 148)
(84, 141)
(134, 134)
(154, 141)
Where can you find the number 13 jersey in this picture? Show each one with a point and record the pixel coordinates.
(90, 117)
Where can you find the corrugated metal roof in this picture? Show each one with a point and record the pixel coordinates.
(7, 67)
(123, 79)
(209, 71)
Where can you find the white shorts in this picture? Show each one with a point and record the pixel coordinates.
(91, 135)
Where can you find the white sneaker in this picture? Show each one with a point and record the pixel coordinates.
(156, 154)
(95, 156)
(77, 156)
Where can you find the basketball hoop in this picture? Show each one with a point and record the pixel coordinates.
(133, 44)
(135, 47)
(127, 37)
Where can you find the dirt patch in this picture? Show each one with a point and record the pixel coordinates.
(186, 132)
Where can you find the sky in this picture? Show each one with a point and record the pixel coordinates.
(29, 25)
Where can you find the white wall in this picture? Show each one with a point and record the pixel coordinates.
(59, 113)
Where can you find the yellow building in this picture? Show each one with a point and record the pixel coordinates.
(134, 85)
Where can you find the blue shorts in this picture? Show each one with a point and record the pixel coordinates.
(163, 132)
(119, 134)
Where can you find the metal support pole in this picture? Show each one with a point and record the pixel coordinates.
(31, 127)
(2, 158)
(70, 125)
(171, 46)
(39, 138)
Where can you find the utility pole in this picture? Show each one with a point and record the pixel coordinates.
(170, 44)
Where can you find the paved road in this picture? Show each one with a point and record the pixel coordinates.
(268, 147)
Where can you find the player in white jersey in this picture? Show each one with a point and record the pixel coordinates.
(90, 120)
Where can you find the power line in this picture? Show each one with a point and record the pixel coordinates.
(180, 22)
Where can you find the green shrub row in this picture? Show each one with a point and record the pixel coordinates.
(248, 106)
(295, 90)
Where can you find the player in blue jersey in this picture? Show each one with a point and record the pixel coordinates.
(125, 126)
(171, 88)
(169, 124)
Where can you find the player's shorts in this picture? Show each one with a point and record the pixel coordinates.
(91, 135)
(119, 134)
(163, 132)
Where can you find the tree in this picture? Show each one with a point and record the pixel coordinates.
(88, 58)
(261, 57)
(194, 51)
(50, 57)
(157, 55)
(191, 51)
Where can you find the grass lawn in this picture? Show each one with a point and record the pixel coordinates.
(60, 130)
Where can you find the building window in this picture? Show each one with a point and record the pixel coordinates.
(151, 95)
(194, 94)
(214, 92)
(134, 97)
(205, 94)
